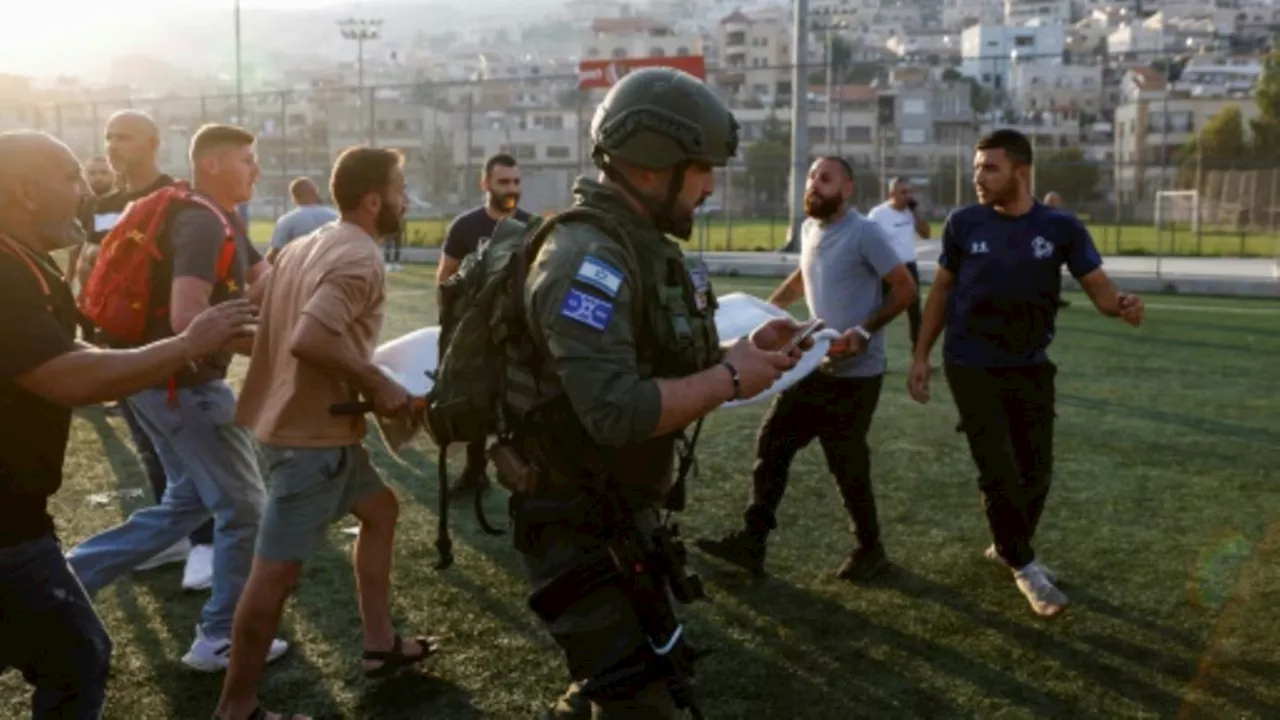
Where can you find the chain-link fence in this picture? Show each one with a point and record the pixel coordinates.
(1136, 200)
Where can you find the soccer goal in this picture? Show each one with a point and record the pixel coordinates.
(1177, 213)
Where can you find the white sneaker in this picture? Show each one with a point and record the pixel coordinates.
(176, 553)
(1045, 598)
(208, 655)
(198, 574)
(991, 554)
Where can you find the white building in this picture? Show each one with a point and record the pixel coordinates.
(1020, 12)
(986, 50)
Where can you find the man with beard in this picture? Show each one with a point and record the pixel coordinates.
(322, 307)
(623, 355)
(133, 143)
(995, 292)
(846, 261)
(501, 185)
(49, 630)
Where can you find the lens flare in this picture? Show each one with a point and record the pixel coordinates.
(1215, 572)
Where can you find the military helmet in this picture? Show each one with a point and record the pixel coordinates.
(660, 117)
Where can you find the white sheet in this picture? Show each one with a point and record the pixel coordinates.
(408, 358)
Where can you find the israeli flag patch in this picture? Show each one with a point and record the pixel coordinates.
(590, 311)
(599, 274)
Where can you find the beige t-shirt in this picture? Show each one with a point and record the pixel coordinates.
(336, 276)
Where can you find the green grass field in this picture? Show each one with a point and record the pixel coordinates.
(1164, 524)
(763, 235)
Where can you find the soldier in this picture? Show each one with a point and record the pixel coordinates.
(626, 351)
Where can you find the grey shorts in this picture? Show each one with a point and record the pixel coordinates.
(308, 489)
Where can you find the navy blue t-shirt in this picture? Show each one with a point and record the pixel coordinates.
(1002, 310)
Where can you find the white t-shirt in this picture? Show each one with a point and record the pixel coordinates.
(900, 226)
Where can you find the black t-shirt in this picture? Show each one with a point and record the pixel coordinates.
(463, 236)
(101, 215)
(37, 328)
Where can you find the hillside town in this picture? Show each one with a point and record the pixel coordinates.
(1113, 94)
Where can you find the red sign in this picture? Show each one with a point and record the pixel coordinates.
(604, 73)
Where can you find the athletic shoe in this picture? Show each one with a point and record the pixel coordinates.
(863, 564)
(991, 554)
(198, 574)
(176, 553)
(207, 655)
(1045, 598)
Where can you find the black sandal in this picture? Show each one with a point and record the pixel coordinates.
(395, 659)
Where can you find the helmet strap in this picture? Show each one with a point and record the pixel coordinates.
(660, 212)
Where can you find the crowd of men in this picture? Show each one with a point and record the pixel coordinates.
(626, 340)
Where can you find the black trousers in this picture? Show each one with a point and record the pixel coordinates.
(1007, 414)
(202, 535)
(51, 632)
(913, 310)
(836, 411)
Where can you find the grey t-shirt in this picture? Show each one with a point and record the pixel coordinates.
(842, 265)
(300, 222)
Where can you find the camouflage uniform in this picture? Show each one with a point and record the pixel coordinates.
(608, 323)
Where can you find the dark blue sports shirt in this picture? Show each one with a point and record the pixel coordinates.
(1002, 310)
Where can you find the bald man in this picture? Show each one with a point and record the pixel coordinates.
(309, 216)
(50, 631)
(133, 144)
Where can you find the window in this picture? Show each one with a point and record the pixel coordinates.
(912, 136)
(557, 152)
(913, 106)
(477, 151)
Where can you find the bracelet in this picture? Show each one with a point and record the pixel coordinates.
(186, 354)
(733, 374)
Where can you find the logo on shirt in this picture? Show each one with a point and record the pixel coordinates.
(1041, 248)
(978, 247)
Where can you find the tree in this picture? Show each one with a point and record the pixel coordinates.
(1220, 143)
(1068, 173)
(768, 162)
(1266, 128)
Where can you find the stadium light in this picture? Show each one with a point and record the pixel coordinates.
(360, 30)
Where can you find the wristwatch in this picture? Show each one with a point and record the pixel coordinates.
(733, 374)
(862, 331)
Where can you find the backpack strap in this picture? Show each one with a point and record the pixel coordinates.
(222, 268)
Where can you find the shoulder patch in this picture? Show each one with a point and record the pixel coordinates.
(599, 274)
(590, 311)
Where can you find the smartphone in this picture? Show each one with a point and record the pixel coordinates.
(805, 332)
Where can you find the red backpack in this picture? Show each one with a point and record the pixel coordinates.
(118, 295)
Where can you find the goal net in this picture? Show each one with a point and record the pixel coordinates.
(1177, 212)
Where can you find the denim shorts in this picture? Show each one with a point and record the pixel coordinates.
(309, 489)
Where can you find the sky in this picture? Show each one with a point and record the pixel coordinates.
(57, 36)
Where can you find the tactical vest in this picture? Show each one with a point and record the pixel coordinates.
(677, 337)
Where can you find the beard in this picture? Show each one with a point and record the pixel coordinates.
(504, 203)
(998, 194)
(388, 221)
(820, 207)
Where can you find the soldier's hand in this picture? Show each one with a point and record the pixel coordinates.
(212, 329)
(757, 369)
(918, 381)
(778, 333)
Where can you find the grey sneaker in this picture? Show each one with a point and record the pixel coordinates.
(991, 554)
(1045, 598)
